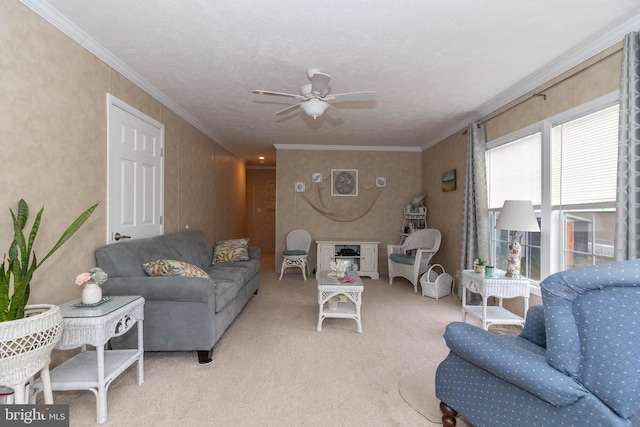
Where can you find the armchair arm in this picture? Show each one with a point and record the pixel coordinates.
(175, 288)
(512, 364)
(534, 326)
(254, 252)
(423, 256)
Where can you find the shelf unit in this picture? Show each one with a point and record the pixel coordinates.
(360, 256)
(413, 221)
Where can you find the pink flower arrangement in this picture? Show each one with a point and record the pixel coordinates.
(95, 275)
(83, 278)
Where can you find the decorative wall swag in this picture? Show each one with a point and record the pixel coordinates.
(343, 209)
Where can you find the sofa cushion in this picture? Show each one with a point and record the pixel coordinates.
(231, 273)
(230, 251)
(169, 267)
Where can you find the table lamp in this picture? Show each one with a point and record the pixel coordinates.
(517, 216)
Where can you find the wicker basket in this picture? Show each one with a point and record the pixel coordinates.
(26, 344)
(436, 285)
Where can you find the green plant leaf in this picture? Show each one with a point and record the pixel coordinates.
(20, 265)
(75, 225)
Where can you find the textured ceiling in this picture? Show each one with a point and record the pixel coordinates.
(434, 63)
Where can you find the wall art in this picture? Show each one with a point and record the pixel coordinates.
(449, 180)
(344, 182)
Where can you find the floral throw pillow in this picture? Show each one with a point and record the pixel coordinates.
(231, 250)
(169, 267)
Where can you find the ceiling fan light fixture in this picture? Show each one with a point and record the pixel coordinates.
(314, 107)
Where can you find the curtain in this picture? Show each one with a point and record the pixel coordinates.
(475, 221)
(627, 236)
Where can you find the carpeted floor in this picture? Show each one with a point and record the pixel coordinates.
(272, 368)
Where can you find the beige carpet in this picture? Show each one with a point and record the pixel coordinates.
(418, 390)
(272, 368)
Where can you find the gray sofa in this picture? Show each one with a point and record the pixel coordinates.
(181, 313)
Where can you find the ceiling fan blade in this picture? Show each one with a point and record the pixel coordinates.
(352, 96)
(320, 83)
(268, 92)
(287, 110)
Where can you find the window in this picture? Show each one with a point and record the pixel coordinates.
(566, 165)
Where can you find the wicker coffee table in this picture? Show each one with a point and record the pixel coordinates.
(329, 287)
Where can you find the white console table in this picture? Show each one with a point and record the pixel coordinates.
(95, 370)
(352, 252)
(498, 286)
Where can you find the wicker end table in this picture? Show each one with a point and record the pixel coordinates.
(500, 287)
(329, 287)
(95, 370)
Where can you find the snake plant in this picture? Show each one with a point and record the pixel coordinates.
(16, 270)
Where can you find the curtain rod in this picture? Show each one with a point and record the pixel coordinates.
(541, 92)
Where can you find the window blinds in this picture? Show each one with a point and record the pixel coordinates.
(514, 171)
(584, 159)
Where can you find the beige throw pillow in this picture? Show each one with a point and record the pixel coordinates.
(231, 250)
(169, 267)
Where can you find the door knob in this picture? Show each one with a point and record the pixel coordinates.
(119, 236)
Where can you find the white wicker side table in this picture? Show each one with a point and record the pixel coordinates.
(329, 287)
(498, 286)
(95, 370)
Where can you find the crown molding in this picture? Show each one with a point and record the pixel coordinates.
(563, 63)
(344, 147)
(55, 18)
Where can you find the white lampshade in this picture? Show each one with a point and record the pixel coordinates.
(517, 215)
(314, 107)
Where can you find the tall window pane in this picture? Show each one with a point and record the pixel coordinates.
(584, 159)
(514, 171)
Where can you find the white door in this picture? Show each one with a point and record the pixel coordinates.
(135, 173)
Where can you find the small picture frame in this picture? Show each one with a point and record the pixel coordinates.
(299, 187)
(316, 177)
(449, 180)
(344, 182)
(381, 181)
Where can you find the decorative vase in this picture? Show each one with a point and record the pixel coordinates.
(91, 294)
(479, 269)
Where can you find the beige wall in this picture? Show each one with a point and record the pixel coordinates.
(261, 224)
(445, 208)
(53, 151)
(382, 223)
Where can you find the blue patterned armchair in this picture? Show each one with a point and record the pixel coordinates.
(576, 362)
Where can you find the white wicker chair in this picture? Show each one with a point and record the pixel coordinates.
(411, 259)
(297, 252)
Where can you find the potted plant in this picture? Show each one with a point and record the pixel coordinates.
(21, 263)
(28, 333)
(478, 265)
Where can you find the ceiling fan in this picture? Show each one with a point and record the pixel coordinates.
(315, 96)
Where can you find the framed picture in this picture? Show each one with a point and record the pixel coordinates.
(344, 182)
(449, 180)
(381, 181)
(316, 177)
(299, 187)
